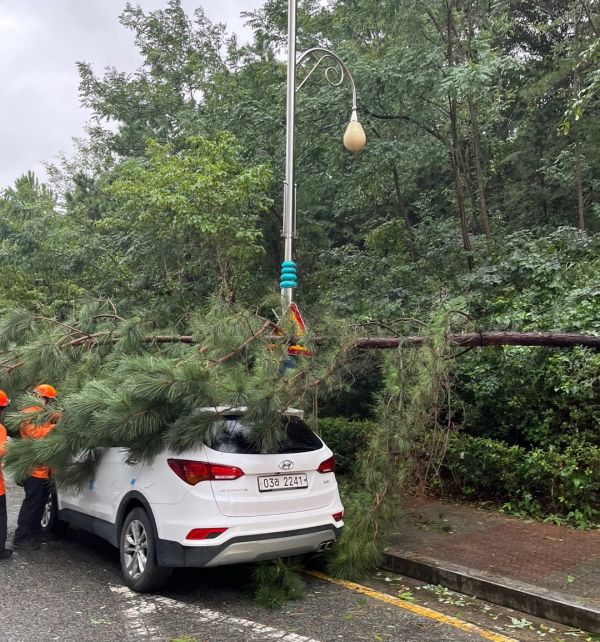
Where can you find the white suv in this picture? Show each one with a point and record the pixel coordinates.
(221, 503)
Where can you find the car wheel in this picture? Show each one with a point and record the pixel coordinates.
(137, 549)
(50, 521)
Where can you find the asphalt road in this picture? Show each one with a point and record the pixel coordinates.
(71, 590)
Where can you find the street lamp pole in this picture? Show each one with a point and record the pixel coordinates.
(288, 266)
(354, 140)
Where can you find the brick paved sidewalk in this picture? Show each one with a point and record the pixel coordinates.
(553, 558)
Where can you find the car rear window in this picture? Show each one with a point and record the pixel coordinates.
(234, 435)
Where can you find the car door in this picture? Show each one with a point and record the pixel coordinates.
(79, 499)
(117, 473)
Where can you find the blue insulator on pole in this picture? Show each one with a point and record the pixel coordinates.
(289, 277)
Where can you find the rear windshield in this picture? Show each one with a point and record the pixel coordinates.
(234, 435)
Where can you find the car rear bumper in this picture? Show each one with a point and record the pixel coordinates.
(248, 548)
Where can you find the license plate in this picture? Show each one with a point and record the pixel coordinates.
(282, 482)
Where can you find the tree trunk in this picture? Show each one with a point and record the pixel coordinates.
(579, 181)
(466, 340)
(465, 167)
(578, 170)
(476, 139)
(455, 153)
(403, 213)
(458, 183)
(482, 339)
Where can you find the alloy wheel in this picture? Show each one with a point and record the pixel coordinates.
(135, 549)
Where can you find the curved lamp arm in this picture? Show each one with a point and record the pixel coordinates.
(335, 70)
(331, 71)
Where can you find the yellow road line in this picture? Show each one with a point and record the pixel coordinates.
(415, 608)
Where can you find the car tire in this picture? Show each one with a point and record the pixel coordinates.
(137, 551)
(51, 524)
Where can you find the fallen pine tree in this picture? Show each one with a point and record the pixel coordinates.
(122, 384)
(465, 340)
(128, 383)
(117, 387)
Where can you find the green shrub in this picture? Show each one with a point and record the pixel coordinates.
(532, 396)
(540, 483)
(347, 439)
(558, 485)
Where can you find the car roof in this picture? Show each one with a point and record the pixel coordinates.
(225, 411)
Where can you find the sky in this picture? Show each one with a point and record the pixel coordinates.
(40, 41)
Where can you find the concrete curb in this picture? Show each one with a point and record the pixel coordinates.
(527, 598)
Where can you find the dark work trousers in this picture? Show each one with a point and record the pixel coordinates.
(2, 522)
(29, 523)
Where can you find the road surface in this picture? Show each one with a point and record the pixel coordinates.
(71, 590)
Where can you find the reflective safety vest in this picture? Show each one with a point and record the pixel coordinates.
(2, 453)
(30, 430)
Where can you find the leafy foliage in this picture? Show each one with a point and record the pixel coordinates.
(209, 220)
(348, 440)
(536, 397)
(551, 483)
(36, 249)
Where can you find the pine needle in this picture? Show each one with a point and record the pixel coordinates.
(277, 582)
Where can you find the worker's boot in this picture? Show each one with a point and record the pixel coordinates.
(25, 545)
(5, 553)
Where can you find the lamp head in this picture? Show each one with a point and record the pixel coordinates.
(354, 137)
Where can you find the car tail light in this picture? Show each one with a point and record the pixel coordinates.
(194, 472)
(327, 466)
(224, 472)
(204, 533)
(338, 517)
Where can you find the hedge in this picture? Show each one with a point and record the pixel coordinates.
(537, 482)
(561, 485)
(346, 439)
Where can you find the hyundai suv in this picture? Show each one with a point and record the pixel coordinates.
(224, 502)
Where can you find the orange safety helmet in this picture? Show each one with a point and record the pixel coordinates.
(4, 400)
(46, 390)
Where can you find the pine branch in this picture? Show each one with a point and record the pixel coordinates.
(116, 317)
(246, 343)
(73, 329)
(115, 338)
(15, 366)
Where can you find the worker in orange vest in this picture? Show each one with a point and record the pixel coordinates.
(5, 553)
(37, 486)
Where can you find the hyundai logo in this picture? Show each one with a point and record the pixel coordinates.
(286, 464)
